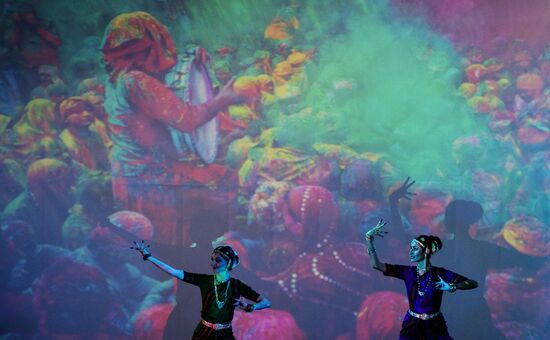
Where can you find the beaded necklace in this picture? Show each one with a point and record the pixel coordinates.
(218, 302)
(423, 291)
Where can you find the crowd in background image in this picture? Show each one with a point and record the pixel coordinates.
(295, 216)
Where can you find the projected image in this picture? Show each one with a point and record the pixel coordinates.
(289, 169)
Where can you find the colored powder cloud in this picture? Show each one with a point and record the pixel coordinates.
(383, 86)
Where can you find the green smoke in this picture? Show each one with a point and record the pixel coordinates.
(385, 86)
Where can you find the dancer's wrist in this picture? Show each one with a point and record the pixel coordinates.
(453, 288)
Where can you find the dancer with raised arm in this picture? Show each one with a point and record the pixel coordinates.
(220, 292)
(425, 285)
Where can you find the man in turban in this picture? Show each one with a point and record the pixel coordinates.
(148, 176)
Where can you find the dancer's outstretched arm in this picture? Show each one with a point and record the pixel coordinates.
(144, 251)
(369, 237)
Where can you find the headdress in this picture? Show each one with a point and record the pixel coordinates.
(229, 255)
(429, 242)
(137, 41)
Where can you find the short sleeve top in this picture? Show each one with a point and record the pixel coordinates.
(236, 289)
(429, 300)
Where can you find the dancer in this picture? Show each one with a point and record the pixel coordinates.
(220, 293)
(425, 285)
